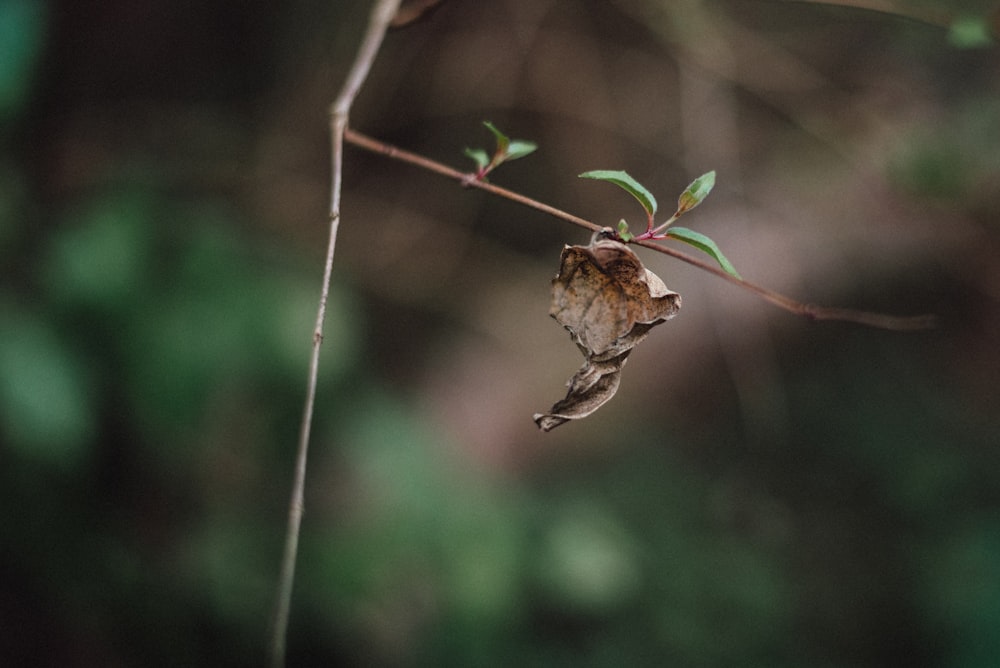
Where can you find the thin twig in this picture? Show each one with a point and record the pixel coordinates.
(811, 311)
(928, 14)
(381, 15)
(352, 136)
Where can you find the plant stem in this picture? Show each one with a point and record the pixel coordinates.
(468, 180)
(926, 13)
(382, 13)
(653, 234)
(810, 311)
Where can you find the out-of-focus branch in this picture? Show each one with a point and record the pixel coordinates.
(925, 13)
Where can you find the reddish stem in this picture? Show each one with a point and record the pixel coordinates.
(880, 320)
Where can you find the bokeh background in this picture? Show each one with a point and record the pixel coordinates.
(764, 491)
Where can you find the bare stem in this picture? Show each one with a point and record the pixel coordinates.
(926, 13)
(352, 136)
(381, 15)
(811, 311)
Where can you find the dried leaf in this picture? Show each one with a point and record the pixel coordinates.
(602, 292)
(608, 301)
(592, 386)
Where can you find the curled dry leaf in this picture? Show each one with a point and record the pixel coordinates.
(608, 301)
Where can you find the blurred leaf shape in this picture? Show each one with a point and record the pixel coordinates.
(970, 32)
(589, 562)
(185, 310)
(22, 36)
(608, 301)
(481, 157)
(45, 398)
(102, 259)
(219, 322)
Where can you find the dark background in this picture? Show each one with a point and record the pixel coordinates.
(764, 491)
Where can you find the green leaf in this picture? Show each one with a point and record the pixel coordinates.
(695, 193)
(519, 148)
(623, 232)
(703, 243)
(506, 149)
(503, 141)
(46, 394)
(970, 32)
(626, 183)
(479, 155)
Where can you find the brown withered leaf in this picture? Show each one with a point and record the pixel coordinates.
(608, 301)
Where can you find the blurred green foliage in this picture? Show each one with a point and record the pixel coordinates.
(22, 37)
(154, 336)
(947, 163)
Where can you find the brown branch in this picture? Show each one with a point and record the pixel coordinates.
(465, 178)
(811, 311)
(928, 14)
(381, 15)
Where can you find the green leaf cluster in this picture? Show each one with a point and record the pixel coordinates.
(692, 196)
(506, 149)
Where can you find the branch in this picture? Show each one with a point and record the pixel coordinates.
(382, 14)
(928, 14)
(811, 311)
(376, 146)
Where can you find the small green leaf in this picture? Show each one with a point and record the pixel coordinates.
(479, 155)
(695, 193)
(703, 243)
(970, 32)
(623, 232)
(626, 183)
(519, 148)
(503, 141)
